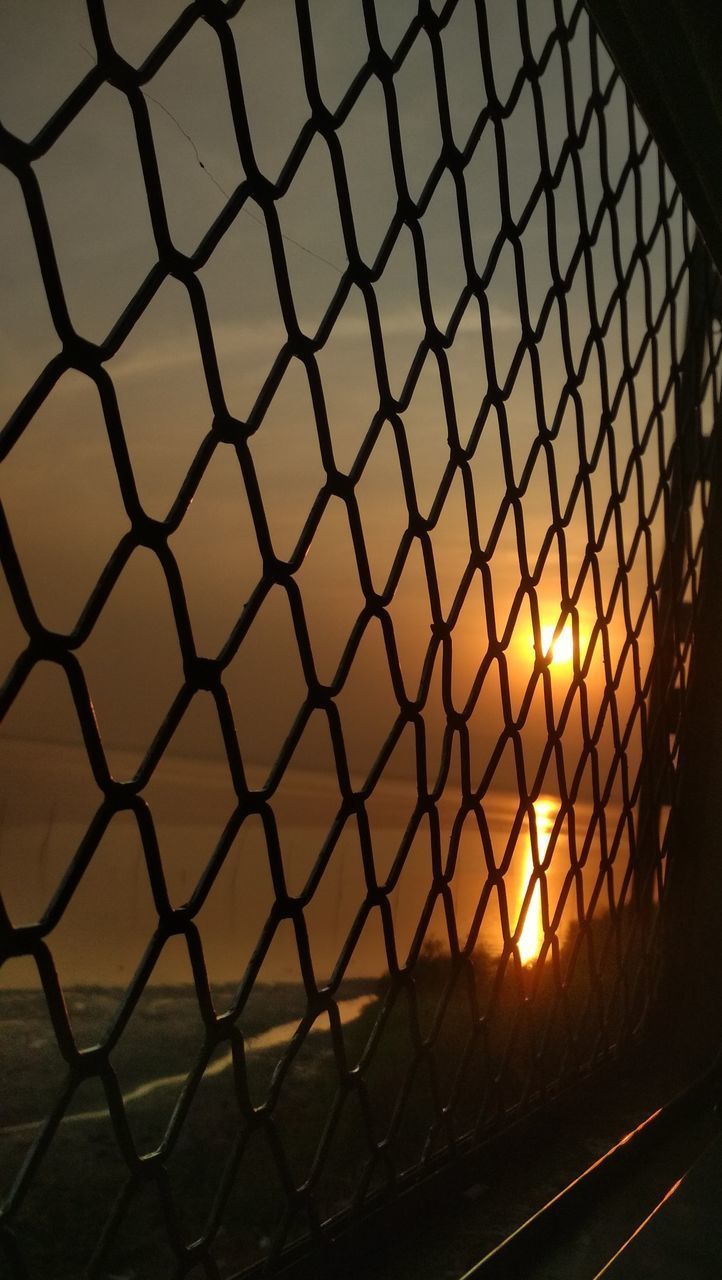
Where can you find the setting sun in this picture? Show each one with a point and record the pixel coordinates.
(557, 650)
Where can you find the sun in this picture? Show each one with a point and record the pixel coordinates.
(561, 649)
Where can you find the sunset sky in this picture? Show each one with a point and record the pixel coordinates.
(61, 492)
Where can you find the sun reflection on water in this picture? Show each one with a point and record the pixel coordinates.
(532, 933)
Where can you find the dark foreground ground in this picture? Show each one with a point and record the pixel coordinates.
(420, 1084)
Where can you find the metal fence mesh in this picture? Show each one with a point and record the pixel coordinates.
(473, 918)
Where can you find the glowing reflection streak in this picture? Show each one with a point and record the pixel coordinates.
(532, 934)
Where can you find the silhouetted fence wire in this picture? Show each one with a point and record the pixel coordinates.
(462, 1037)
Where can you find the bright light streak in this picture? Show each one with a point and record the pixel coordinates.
(560, 650)
(532, 934)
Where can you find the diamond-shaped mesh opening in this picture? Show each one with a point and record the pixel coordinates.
(363, 380)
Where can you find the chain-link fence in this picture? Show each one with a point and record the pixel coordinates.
(362, 378)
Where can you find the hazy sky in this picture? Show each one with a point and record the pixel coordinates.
(62, 496)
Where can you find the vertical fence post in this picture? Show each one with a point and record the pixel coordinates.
(691, 989)
(672, 618)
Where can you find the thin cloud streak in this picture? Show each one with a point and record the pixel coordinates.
(266, 337)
